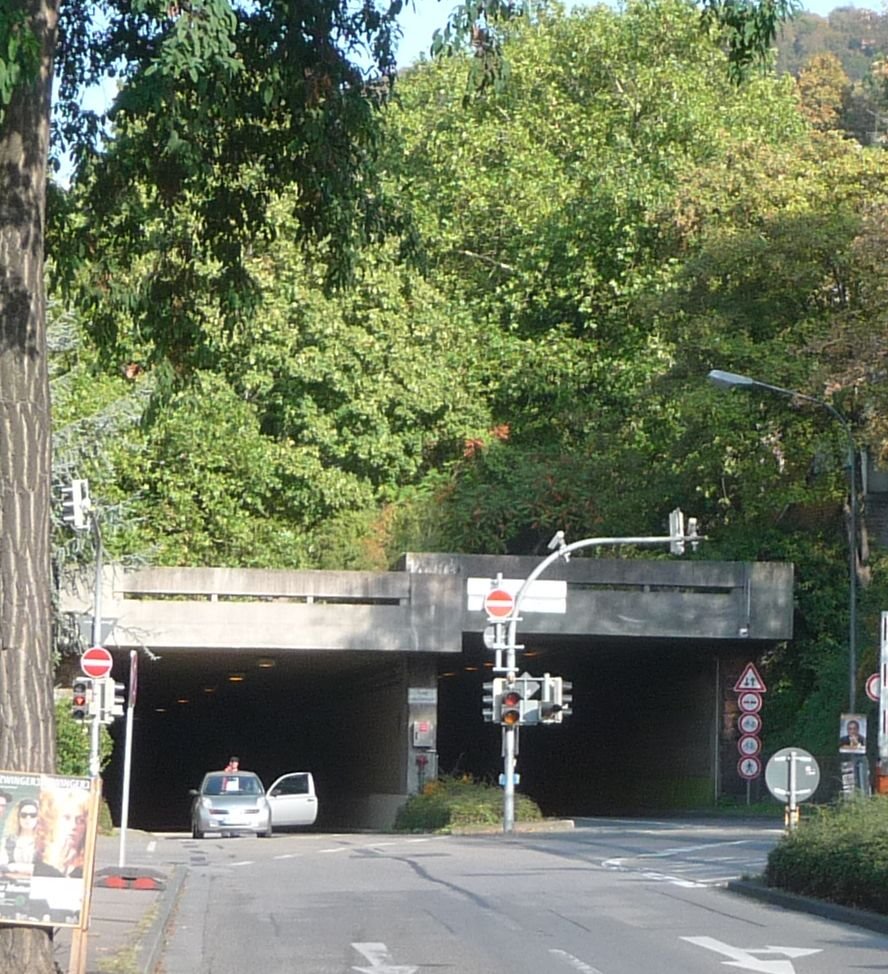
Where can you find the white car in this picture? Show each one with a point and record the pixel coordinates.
(230, 803)
(293, 800)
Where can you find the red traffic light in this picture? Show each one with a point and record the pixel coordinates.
(511, 707)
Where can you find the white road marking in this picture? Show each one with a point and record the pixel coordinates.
(417, 840)
(746, 959)
(574, 962)
(243, 862)
(288, 855)
(339, 848)
(380, 960)
(152, 845)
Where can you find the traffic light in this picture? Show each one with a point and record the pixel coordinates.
(81, 697)
(118, 706)
(76, 504)
(556, 700)
(488, 701)
(676, 532)
(510, 710)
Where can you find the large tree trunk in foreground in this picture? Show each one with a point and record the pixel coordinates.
(26, 704)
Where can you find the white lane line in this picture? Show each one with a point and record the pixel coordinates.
(287, 855)
(417, 840)
(574, 962)
(152, 845)
(243, 862)
(340, 848)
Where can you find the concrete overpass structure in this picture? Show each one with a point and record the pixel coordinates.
(353, 669)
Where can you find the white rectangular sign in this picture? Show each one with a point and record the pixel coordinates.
(542, 596)
(422, 695)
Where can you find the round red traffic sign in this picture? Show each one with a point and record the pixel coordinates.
(749, 745)
(96, 662)
(749, 767)
(874, 687)
(749, 702)
(749, 723)
(498, 603)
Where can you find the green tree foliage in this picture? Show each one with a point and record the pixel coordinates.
(72, 743)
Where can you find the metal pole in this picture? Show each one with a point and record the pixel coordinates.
(510, 733)
(509, 783)
(95, 727)
(127, 761)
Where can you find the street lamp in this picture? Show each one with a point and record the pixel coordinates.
(730, 380)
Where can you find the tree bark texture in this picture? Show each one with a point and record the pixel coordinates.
(27, 719)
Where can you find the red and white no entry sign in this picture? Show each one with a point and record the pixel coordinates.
(96, 662)
(498, 603)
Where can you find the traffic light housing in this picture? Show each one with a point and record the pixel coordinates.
(676, 532)
(488, 701)
(118, 705)
(81, 698)
(76, 504)
(511, 705)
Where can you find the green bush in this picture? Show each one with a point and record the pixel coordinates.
(449, 803)
(840, 853)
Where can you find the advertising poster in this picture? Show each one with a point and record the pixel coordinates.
(852, 734)
(44, 828)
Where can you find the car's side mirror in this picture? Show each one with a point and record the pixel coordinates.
(274, 792)
(193, 792)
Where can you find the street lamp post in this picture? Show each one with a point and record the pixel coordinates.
(730, 380)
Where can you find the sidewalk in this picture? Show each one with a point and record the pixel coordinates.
(131, 909)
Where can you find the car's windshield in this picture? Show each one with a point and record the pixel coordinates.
(238, 784)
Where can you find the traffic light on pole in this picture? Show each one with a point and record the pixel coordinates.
(76, 504)
(81, 696)
(676, 532)
(488, 702)
(118, 707)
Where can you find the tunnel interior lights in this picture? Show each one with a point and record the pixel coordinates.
(266, 663)
(236, 677)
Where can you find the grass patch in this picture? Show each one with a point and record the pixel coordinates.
(456, 802)
(840, 854)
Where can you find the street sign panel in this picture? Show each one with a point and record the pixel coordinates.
(874, 687)
(749, 702)
(542, 595)
(778, 774)
(96, 662)
(498, 603)
(750, 680)
(749, 723)
(749, 767)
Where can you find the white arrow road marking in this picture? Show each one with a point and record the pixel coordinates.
(575, 962)
(746, 960)
(380, 960)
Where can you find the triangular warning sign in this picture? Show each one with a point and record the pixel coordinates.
(750, 680)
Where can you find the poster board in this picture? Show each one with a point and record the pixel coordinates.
(47, 841)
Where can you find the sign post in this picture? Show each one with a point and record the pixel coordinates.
(793, 775)
(96, 663)
(750, 688)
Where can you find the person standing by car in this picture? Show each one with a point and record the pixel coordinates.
(233, 764)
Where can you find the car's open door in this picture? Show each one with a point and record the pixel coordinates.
(293, 800)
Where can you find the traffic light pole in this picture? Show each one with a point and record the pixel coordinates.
(96, 724)
(562, 550)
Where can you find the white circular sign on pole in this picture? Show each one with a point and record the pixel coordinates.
(749, 767)
(874, 687)
(749, 702)
(749, 723)
(96, 662)
(749, 744)
(498, 603)
(792, 772)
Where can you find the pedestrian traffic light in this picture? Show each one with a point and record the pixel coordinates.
(510, 705)
(555, 700)
(76, 504)
(81, 694)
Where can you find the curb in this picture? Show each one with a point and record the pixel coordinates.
(806, 904)
(152, 944)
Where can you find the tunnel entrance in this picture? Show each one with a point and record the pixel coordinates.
(642, 734)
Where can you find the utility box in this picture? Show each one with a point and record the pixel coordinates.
(423, 733)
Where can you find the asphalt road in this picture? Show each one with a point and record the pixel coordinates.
(610, 897)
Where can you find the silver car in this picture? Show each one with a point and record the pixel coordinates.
(230, 802)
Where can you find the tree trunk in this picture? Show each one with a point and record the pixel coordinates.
(27, 719)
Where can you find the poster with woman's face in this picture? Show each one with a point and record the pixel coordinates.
(44, 822)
